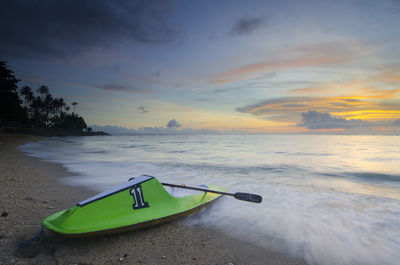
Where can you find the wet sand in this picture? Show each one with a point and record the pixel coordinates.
(30, 191)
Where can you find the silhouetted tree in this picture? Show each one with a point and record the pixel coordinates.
(27, 93)
(73, 121)
(74, 104)
(47, 111)
(40, 110)
(43, 91)
(10, 108)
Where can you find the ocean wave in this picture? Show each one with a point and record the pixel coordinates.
(309, 154)
(135, 146)
(96, 152)
(366, 176)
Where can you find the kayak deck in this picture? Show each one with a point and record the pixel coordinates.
(138, 203)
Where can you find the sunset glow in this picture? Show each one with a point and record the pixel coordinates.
(249, 67)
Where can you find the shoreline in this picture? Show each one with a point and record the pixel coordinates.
(31, 191)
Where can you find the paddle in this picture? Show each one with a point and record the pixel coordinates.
(238, 195)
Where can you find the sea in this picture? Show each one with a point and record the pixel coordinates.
(329, 199)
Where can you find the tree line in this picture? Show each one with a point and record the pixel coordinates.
(34, 109)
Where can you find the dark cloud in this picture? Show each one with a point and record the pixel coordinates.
(223, 90)
(396, 122)
(115, 87)
(319, 120)
(143, 109)
(395, 9)
(202, 99)
(173, 124)
(229, 89)
(245, 26)
(62, 28)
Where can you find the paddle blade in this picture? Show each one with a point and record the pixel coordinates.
(248, 197)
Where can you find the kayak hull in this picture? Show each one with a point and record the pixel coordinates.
(138, 226)
(137, 204)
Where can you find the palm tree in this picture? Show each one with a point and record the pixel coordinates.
(74, 104)
(27, 93)
(61, 104)
(43, 91)
(48, 106)
(10, 108)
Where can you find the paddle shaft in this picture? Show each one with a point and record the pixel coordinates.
(196, 188)
(238, 195)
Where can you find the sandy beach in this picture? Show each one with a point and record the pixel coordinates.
(30, 191)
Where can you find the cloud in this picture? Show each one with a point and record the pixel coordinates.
(202, 99)
(311, 56)
(121, 88)
(319, 120)
(62, 28)
(356, 107)
(223, 90)
(245, 26)
(278, 105)
(118, 130)
(395, 9)
(260, 82)
(381, 86)
(142, 109)
(173, 124)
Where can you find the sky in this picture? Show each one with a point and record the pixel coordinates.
(230, 66)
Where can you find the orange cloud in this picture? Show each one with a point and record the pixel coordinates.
(351, 107)
(332, 88)
(370, 115)
(319, 55)
(390, 76)
(382, 86)
(376, 93)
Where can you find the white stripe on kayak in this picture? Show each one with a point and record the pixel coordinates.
(122, 187)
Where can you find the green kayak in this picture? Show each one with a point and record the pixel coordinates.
(138, 203)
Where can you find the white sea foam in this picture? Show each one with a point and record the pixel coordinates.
(328, 199)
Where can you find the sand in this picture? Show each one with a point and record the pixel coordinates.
(30, 191)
